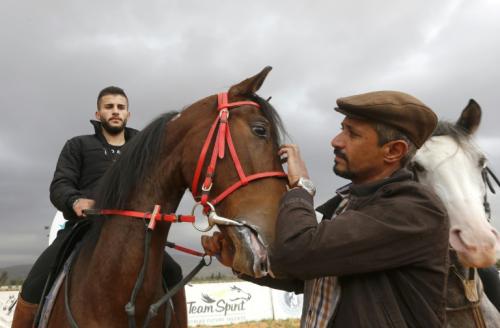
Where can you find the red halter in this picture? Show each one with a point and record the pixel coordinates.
(223, 136)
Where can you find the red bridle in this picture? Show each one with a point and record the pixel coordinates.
(223, 137)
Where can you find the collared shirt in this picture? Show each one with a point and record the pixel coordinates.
(325, 291)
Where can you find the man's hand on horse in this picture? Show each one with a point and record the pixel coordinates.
(296, 166)
(82, 204)
(217, 245)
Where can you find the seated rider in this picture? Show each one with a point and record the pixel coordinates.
(82, 162)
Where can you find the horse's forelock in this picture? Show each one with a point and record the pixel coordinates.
(279, 132)
(462, 139)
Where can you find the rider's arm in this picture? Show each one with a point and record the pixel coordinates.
(64, 187)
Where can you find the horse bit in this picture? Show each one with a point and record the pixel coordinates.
(223, 137)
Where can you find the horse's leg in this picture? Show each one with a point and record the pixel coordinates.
(179, 317)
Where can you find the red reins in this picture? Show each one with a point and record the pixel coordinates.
(143, 215)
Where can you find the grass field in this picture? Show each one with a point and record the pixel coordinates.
(261, 324)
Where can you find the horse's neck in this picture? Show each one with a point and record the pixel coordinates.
(457, 277)
(120, 246)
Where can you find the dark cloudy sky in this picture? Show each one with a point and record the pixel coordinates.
(56, 55)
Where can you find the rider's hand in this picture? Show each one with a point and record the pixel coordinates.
(82, 204)
(296, 166)
(217, 245)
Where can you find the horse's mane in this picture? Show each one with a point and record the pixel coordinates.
(138, 156)
(445, 128)
(272, 115)
(463, 139)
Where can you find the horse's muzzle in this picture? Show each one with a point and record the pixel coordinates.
(251, 256)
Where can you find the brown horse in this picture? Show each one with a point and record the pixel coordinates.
(156, 167)
(451, 164)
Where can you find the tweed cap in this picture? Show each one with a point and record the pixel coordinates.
(397, 109)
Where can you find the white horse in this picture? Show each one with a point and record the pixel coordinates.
(455, 168)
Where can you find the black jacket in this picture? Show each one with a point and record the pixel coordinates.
(82, 162)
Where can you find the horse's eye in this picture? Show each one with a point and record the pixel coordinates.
(482, 162)
(417, 167)
(259, 131)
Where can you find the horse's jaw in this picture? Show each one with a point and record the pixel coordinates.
(479, 251)
(251, 256)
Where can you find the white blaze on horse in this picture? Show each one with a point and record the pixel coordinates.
(452, 165)
(455, 168)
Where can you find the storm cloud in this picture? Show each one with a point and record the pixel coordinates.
(57, 55)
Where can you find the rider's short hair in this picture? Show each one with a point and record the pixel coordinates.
(111, 90)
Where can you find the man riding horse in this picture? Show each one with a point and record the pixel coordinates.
(82, 162)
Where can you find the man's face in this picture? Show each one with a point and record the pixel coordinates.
(358, 157)
(113, 113)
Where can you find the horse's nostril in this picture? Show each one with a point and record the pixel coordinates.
(457, 241)
(455, 232)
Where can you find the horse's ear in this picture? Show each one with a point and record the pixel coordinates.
(250, 85)
(470, 118)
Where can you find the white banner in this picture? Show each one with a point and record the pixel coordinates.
(213, 304)
(6, 309)
(227, 303)
(286, 305)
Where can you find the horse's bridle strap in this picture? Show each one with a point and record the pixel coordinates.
(222, 106)
(143, 215)
(238, 184)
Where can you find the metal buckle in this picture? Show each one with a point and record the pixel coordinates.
(209, 226)
(225, 111)
(213, 219)
(207, 189)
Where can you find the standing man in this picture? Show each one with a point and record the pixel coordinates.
(82, 162)
(379, 257)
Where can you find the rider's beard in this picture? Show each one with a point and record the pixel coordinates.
(346, 172)
(113, 129)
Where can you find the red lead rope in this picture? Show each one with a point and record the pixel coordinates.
(223, 137)
(143, 215)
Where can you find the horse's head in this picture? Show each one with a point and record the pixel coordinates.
(453, 167)
(241, 181)
(239, 294)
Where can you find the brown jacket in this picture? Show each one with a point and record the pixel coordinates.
(389, 250)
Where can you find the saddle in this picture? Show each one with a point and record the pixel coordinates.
(72, 238)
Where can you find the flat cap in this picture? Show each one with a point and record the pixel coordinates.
(397, 109)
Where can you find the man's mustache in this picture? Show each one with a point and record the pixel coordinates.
(340, 154)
